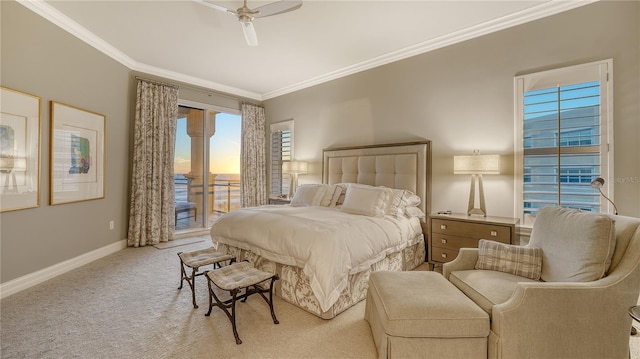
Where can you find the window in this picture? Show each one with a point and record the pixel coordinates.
(281, 151)
(577, 175)
(563, 137)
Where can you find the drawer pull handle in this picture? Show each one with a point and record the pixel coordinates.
(443, 240)
(443, 226)
(444, 255)
(494, 233)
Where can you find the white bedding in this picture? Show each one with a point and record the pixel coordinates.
(327, 243)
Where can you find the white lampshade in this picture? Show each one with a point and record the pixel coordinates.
(18, 164)
(299, 167)
(476, 164)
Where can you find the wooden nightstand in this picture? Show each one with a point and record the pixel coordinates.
(279, 201)
(453, 231)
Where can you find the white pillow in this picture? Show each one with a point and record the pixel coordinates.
(308, 195)
(339, 192)
(343, 192)
(410, 199)
(412, 211)
(393, 201)
(365, 200)
(331, 194)
(576, 246)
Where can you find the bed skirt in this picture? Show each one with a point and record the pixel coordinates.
(294, 286)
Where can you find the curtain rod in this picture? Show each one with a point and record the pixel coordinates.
(158, 82)
(251, 103)
(200, 89)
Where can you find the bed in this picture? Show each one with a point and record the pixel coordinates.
(367, 215)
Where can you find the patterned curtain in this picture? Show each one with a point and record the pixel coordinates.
(253, 161)
(152, 207)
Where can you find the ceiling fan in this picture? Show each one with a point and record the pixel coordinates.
(246, 15)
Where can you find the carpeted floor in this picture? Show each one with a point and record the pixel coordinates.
(127, 305)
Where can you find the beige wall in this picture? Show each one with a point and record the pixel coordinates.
(41, 59)
(461, 98)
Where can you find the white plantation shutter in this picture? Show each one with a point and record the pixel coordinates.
(562, 137)
(281, 151)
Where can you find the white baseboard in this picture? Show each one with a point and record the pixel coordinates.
(31, 279)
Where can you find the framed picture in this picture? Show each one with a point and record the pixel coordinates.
(19, 150)
(77, 154)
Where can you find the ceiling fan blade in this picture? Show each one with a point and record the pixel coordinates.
(278, 7)
(249, 33)
(215, 6)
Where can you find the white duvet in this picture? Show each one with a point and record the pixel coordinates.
(326, 243)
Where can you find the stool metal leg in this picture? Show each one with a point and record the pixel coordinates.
(270, 300)
(233, 316)
(192, 282)
(210, 297)
(273, 313)
(182, 272)
(231, 303)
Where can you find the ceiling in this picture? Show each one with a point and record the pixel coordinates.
(323, 40)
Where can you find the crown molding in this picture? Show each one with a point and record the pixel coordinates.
(195, 81)
(533, 13)
(549, 8)
(59, 19)
(64, 22)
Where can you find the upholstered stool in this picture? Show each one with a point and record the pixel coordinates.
(420, 314)
(234, 278)
(197, 259)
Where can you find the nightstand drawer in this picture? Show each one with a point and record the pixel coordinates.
(453, 242)
(453, 231)
(472, 230)
(443, 255)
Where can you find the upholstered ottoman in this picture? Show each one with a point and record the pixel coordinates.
(421, 315)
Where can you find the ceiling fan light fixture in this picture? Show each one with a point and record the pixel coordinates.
(249, 33)
(246, 15)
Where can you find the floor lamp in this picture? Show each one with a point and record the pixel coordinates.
(476, 166)
(294, 168)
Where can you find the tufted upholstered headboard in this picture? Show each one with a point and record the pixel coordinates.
(400, 165)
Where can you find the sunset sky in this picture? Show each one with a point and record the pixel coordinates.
(224, 146)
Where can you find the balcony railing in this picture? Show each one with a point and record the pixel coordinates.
(223, 194)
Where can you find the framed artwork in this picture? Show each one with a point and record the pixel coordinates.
(77, 154)
(19, 150)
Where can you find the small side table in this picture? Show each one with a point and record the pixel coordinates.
(275, 200)
(634, 312)
(450, 232)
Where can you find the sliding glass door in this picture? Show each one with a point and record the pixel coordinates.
(206, 165)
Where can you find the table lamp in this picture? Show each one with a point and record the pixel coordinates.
(476, 165)
(294, 168)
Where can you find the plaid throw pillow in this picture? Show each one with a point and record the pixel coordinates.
(518, 260)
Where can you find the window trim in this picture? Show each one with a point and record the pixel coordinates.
(559, 77)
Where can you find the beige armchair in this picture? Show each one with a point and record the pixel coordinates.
(575, 318)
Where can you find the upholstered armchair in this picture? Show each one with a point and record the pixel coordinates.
(578, 309)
